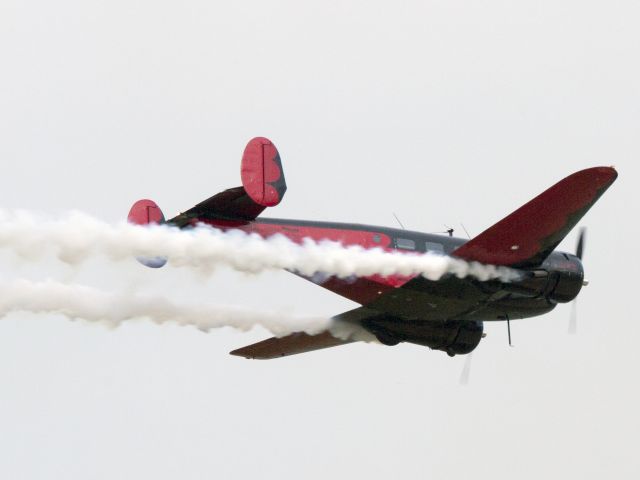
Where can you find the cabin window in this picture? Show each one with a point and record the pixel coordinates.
(405, 244)
(434, 247)
(376, 238)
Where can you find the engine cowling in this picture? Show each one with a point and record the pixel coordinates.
(146, 212)
(566, 277)
(559, 279)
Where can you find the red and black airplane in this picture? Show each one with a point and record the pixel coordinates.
(447, 314)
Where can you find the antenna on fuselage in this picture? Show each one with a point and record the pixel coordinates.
(465, 230)
(398, 220)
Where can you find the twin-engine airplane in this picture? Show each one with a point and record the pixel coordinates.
(447, 314)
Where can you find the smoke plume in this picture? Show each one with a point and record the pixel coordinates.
(77, 237)
(93, 305)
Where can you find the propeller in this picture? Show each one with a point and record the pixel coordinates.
(466, 371)
(580, 246)
(573, 320)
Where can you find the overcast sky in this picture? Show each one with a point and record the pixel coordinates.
(440, 111)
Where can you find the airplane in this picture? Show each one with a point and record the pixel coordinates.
(447, 314)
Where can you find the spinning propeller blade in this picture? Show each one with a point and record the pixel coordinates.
(573, 320)
(466, 371)
(580, 246)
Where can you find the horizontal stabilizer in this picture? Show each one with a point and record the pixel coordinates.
(527, 236)
(232, 204)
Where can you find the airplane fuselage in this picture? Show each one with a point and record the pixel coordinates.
(418, 310)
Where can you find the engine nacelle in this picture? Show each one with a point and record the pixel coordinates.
(566, 277)
(453, 337)
(145, 212)
(559, 279)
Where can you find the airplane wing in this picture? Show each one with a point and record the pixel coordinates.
(290, 345)
(263, 185)
(527, 236)
(300, 342)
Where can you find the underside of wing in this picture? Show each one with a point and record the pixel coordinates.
(301, 342)
(526, 237)
(290, 345)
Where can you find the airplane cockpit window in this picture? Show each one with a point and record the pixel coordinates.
(434, 247)
(405, 244)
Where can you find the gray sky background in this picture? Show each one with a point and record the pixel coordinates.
(440, 111)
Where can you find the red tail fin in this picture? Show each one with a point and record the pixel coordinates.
(262, 173)
(145, 212)
(263, 186)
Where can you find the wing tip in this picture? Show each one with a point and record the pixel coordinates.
(601, 176)
(249, 354)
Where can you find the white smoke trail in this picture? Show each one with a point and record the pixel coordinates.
(76, 237)
(93, 305)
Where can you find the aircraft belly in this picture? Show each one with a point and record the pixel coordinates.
(452, 298)
(515, 308)
(440, 300)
